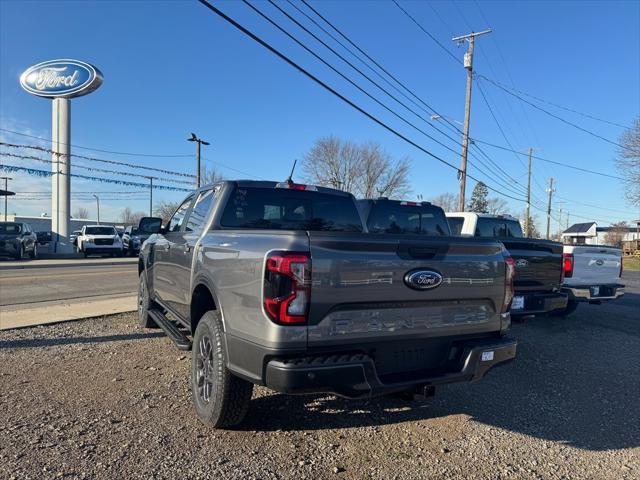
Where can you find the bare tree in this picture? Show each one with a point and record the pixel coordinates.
(533, 226)
(628, 161)
(210, 175)
(129, 217)
(496, 206)
(364, 170)
(165, 210)
(615, 236)
(447, 201)
(81, 212)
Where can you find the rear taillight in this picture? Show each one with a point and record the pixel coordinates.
(287, 287)
(567, 266)
(510, 273)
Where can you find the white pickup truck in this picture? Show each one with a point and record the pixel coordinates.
(591, 274)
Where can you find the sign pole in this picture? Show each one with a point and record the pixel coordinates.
(61, 180)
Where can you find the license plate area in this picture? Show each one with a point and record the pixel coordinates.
(517, 303)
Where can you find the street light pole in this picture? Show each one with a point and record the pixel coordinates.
(98, 206)
(151, 196)
(6, 190)
(468, 64)
(199, 142)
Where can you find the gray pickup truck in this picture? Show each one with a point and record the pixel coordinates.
(280, 284)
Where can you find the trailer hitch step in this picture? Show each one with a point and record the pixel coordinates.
(172, 331)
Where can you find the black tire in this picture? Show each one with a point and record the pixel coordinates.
(85, 253)
(145, 303)
(20, 252)
(568, 310)
(34, 252)
(220, 398)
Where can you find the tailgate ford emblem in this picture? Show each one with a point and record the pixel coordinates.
(422, 279)
(522, 263)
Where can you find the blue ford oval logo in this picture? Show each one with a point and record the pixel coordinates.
(61, 78)
(422, 279)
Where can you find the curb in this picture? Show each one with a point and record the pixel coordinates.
(66, 263)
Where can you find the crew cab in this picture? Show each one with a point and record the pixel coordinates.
(539, 264)
(132, 240)
(279, 284)
(99, 239)
(591, 275)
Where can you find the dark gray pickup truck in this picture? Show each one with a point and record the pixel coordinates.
(539, 267)
(280, 284)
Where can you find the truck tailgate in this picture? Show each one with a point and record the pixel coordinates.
(359, 292)
(538, 263)
(594, 265)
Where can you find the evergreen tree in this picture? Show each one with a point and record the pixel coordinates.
(478, 202)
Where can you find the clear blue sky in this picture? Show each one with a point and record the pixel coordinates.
(172, 67)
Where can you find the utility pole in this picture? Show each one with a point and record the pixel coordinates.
(199, 142)
(527, 228)
(151, 196)
(468, 64)
(98, 206)
(550, 190)
(6, 194)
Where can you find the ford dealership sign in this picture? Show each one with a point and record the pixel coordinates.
(61, 78)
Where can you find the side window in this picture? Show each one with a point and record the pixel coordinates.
(200, 210)
(176, 221)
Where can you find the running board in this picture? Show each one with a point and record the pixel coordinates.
(176, 336)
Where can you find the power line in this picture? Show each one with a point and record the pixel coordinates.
(566, 165)
(98, 149)
(557, 117)
(331, 90)
(426, 32)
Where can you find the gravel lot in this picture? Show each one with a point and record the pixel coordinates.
(103, 398)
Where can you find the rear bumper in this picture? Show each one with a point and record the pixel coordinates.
(537, 303)
(590, 293)
(355, 376)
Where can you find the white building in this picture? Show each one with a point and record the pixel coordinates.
(590, 234)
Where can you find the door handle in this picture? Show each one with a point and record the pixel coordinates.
(187, 249)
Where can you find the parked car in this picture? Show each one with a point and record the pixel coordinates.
(44, 238)
(592, 274)
(539, 268)
(18, 239)
(73, 238)
(132, 240)
(279, 284)
(99, 239)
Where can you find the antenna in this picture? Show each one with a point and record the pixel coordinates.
(290, 179)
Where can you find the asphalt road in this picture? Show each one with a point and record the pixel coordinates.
(35, 285)
(103, 398)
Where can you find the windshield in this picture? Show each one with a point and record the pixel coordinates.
(10, 228)
(100, 231)
(283, 209)
(393, 217)
(498, 227)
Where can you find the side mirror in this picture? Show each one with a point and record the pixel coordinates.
(150, 225)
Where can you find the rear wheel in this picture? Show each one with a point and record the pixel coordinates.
(568, 310)
(220, 398)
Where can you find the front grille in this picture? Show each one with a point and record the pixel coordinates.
(103, 241)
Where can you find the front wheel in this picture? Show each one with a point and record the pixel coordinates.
(220, 398)
(20, 252)
(34, 252)
(144, 303)
(566, 311)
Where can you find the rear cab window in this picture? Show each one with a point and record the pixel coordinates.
(390, 216)
(456, 224)
(10, 228)
(498, 228)
(275, 208)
